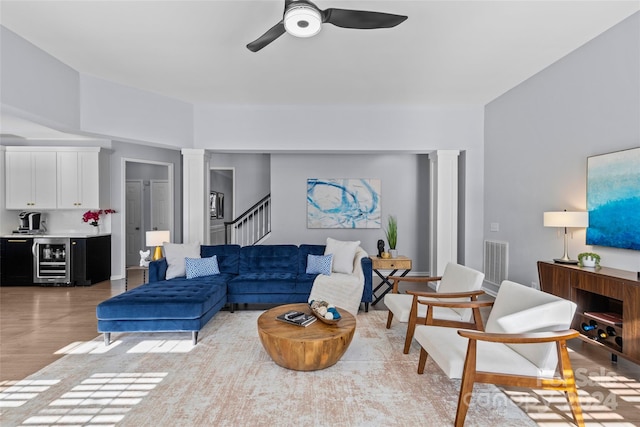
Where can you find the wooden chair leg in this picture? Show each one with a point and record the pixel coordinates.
(423, 360)
(566, 371)
(411, 328)
(466, 387)
(389, 319)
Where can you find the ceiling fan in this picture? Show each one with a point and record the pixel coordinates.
(302, 18)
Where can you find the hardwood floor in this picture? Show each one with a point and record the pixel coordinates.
(35, 322)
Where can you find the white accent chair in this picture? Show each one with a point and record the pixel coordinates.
(524, 343)
(458, 283)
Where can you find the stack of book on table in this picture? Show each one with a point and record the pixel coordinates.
(297, 318)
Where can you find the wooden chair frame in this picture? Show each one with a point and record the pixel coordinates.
(564, 382)
(414, 319)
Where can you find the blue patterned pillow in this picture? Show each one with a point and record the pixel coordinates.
(198, 267)
(319, 264)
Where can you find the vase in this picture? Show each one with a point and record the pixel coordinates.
(96, 229)
(588, 262)
(394, 253)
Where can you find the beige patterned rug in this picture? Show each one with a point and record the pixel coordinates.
(227, 379)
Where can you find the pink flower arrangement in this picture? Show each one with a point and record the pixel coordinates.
(92, 217)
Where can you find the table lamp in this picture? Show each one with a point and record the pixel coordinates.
(157, 238)
(566, 219)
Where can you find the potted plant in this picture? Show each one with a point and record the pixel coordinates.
(589, 259)
(392, 235)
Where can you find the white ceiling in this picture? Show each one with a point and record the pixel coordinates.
(447, 52)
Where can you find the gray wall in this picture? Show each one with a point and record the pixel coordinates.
(537, 140)
(252, 177)
(404, 193)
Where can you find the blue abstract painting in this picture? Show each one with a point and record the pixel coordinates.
(343, 203)
(613, 199)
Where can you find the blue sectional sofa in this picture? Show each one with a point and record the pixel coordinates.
(264, 274)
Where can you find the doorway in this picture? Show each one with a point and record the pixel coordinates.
(148, 204)
(221, 203)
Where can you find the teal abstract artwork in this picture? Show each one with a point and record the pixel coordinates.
(343, 203)
(613, 199)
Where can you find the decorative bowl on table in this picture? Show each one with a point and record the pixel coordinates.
(325, 312)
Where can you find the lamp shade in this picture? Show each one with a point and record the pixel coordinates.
(566, 219)
(157, 238)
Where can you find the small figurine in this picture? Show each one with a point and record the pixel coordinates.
(144, 255)
(380, 248)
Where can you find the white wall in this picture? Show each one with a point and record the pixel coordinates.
(537, 140)
(337, 128)
(128, 113)
(37, 85)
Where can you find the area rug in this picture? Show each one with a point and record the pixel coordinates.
(227, 379)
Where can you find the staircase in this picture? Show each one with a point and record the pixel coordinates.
(252, 227)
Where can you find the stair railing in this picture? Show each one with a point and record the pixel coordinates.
(252, 226)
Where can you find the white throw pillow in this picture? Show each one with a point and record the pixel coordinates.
(343, 254)
(175, 253)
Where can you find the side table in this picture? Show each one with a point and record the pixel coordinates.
(394, 264)
(136, 276)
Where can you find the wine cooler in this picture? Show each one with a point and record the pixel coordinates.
(52, 260)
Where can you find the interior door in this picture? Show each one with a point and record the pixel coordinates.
(160, 205)
(133, 211)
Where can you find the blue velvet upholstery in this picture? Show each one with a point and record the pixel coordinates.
(306, 250)
(228, 256)
(168, 299)
(269, 259)
(266, 274)
(158, 270)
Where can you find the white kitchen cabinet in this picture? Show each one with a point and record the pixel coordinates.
(78, 179)
(30, 179)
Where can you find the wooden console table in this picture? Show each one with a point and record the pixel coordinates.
(394, 264)
(608, 300)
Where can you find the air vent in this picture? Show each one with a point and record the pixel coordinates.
(496, 261)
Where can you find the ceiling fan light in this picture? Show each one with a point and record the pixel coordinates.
(302, 21)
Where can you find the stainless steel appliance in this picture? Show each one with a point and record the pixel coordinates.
(52, 260)
(29, 222)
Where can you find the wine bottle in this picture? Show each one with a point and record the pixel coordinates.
(602, 334)
(610, 331)
(591, 326)
(619, 341)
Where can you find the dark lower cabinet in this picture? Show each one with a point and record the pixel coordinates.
(16, 261)
(90, 260)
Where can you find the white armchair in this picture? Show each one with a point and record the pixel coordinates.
(524, 343)
(458, 283)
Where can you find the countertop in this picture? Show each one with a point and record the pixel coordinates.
(54, 235)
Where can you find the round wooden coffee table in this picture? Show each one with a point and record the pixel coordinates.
(310, 348)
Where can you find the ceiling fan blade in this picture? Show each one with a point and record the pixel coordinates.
(272, 34)
(361, 19)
